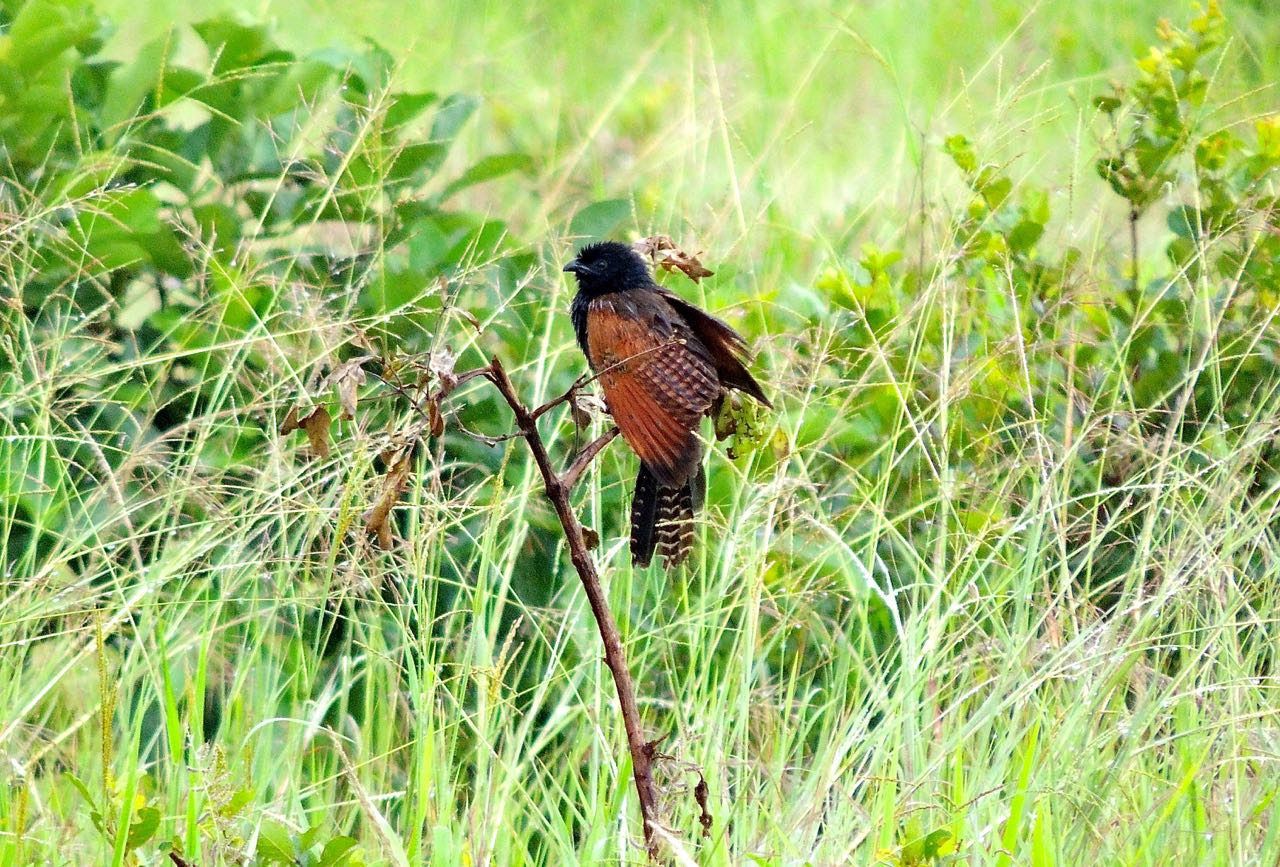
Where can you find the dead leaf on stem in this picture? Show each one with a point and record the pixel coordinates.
(346, 380)
(441, 364)
(663, 253)
(377, 520)
(316, 425)
(583, 405)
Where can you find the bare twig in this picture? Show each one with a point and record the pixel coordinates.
(556, 401)
(558, 490)
(584, 459)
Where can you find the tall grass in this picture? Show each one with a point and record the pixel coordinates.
(859, 678)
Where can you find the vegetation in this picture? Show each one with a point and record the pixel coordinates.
(996, 584)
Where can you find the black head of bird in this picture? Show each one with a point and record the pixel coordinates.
(609, 266)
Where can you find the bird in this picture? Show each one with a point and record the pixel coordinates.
(662, 365)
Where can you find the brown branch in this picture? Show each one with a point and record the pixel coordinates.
(558, 490)
(564, 398)
(575, 470)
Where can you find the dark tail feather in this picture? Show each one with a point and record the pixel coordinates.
(644, 511)
(662, 518)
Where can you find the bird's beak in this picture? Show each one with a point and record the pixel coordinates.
(574, 267)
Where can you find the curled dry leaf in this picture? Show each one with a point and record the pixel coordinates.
(317, 427)
(435, 420)
(346, 380)
(663, 253)
(290, 423)
(468, 317)
(316, 424)
(582, 406)
(441, 363)
(377, 520)
(701, 793)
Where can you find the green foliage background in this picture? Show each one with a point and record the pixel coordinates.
(996, 584)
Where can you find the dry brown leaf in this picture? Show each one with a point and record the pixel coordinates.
(701, 794)
(590, 538)
(317, 427)
(346, 380)
(582, 406)
(290, 423)
(435, 420)
(663, 253)
(441, 363)
(377, 520)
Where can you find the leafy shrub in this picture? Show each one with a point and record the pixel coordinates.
(215, 191)
(1190, 352)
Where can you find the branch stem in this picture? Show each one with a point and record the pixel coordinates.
(558, 490)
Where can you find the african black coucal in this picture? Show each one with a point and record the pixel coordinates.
(663, 364)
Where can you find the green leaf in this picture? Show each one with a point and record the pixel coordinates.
(479, 245)
(961, 152)
(178, 83)
(995, 190)
(237, 803)
(487, 169)
(428, 244)
(142, 828)
(296, 87)
(415, 161)
(442, 849)
(405, 107)
(236, 45)
(81, 788)
(600, 219)
(1036, 205)
(309, 837)
(335, 852)
(456, 109)
(938, 844)
(1106, 103)
(275, 843)
(131, 84)
(1184, 221)
(1024, 236)
(43, 30)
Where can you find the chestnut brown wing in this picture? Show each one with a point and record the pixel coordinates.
(727, 347)
(657, 377)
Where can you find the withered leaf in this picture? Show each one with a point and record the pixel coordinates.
(664, 253)
(317, 427)
(346, 380)
(435, 420)
(701, 794)
(441, 363)
(582, 406)
(377, 520)
(590, 538)
(290, 423)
